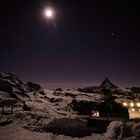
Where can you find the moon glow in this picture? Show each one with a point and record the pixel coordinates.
(48, 13)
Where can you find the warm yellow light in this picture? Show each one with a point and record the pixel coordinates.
(133, 109)
(95, 113)
(131, 104)
(138, 104)
(124, 104)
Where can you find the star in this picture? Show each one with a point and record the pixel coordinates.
(112, 34)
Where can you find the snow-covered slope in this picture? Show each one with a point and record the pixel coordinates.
(43, 111)
(116, 131)
(15, 88)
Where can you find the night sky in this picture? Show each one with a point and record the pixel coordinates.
(85, 42)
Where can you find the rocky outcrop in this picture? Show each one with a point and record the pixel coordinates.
(135, 89)
(93, 89)
(11, 84)
(34, 86)
(5, 86)
(83, 107)
(58, 89)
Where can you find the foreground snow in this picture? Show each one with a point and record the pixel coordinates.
(51, 111)
(116, 131)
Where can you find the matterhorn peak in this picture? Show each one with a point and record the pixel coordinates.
(107, 84)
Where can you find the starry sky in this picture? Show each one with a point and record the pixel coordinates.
(86, 41)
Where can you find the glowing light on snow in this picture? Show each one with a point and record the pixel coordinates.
(95, 113)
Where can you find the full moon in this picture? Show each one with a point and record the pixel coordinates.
(49, 13)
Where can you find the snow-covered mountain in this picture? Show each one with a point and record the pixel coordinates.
(106, 84)
(11, 84)
(42, 110)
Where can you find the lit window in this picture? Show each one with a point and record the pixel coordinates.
(124, 104)
(138, 104)
(133, 109)
(131, 104)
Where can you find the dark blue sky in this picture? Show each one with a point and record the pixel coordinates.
(86, 41)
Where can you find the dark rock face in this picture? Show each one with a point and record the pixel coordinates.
(70, 95)
(88, 90)
(33, 86)
(58, 89)
(57, 93)
(135, 89)
(107, 84)
(54, 100)
(5, 86)
(25, 107)
(83, 107)
(13, 82)
(113, 109)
